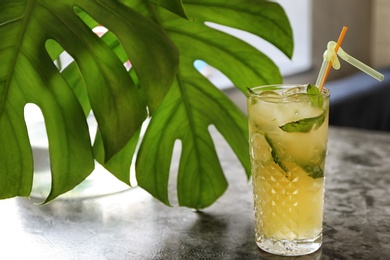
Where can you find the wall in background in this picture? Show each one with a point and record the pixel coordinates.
(329, 17)
(381, 33)
(367, 39)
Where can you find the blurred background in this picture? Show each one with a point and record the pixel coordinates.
(357, 100)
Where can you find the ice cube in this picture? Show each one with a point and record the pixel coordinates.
(294, 91)
(269, 95)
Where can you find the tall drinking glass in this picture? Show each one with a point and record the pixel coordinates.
(288, 132)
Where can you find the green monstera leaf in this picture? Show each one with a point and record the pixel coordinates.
(33, 33)
(193, 103)
(175, 6)
(181, 102)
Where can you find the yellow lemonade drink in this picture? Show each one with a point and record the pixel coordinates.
(288, 130)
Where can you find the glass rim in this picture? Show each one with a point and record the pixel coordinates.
(254, 91)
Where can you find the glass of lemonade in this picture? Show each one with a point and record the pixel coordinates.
(288, 133)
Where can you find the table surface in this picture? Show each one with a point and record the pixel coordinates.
(133, 225)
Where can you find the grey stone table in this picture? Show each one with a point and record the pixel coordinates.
(132, 225)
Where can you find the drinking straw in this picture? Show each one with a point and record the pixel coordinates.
(330, 59)
(326, 65)
(360, 65)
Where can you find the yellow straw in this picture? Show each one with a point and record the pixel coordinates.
(322, 79)
(360, 65)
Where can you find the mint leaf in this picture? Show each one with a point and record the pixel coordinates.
(317, 100)
(314, 171)
(275, 154)
(250, 91)
(304, 125)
